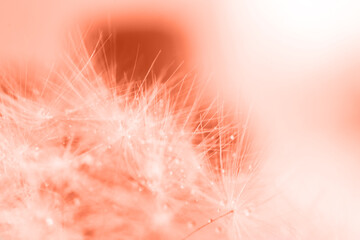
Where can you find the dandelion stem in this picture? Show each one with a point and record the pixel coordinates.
(208, 223)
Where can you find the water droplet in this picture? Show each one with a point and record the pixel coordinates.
(247, 212)
(77, 202)
(49, 221)
(218, 230)
(191, 224)
(87, 159)
(232, 137)
(36, 92)
(210, 220)
(165, 206)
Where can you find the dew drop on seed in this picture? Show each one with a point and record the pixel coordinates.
(247, 212)
(49, 221)
(232, 137)
(77, 202)
(87, 159)
(218, 230)
(165, 206)
(191, 224)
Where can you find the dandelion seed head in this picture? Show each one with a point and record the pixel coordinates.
(96, 157)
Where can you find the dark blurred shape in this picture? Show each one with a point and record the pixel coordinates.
(138, 52)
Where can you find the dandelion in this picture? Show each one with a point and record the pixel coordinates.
(87, 156)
